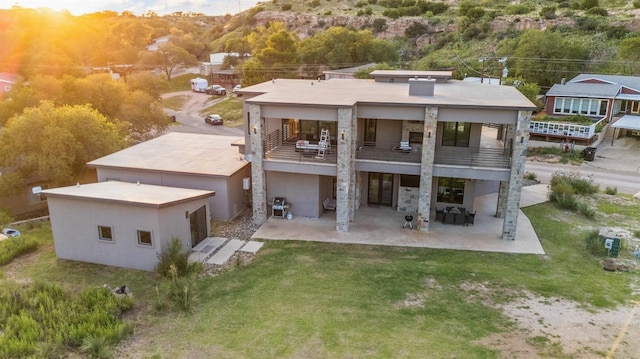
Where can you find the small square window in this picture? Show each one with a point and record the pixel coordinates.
(105, 233)
(144, 238)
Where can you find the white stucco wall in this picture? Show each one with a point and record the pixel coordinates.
(75, 230)
(226, 204)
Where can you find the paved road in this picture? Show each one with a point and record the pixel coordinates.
(615, 165)
(189, 118)
(626, 182)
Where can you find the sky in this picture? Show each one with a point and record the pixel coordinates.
(138, 7)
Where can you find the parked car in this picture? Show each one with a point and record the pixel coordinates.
(216, 90)
(214, 119)
(237, 88)
(10, 232)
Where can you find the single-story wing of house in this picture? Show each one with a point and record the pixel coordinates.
(185, 160)
(125, 224)
(606, 97)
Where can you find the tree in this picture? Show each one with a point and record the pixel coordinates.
(168, 58)
(279, 57)
(144, 115)
(545, 57)
(55, 143)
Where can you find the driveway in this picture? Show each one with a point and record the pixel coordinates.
(189, 118)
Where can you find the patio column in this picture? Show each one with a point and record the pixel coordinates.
(518, 159)
(426, 168)
(353, 181)
(503, 189)
(258, 178)
(345, 195)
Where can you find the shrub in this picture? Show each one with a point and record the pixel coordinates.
(594, 243)
(16, 246)
(518, 9)
(548, 12)
(574, 180)
(379, 25)
(636, 4)
(611, 190)
(532, 176)
(314, 3)
(286, 7)
(97, 347)
(373, 2)
(175, 258)
(597, 11)
(586, 210)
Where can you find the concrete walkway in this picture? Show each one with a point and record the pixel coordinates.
(383, 226)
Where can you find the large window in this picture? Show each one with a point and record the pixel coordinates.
(105, 233)
(310, 130)
(144, 238)
(451, 190)
(456, 134)
(580, 106)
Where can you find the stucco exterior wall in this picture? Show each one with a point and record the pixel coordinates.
(302, 191)
(75, 230)
(221, 206)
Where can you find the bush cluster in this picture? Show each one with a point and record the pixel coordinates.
(178, 287)
(14, 246)
(594, 243)
(42, 320)
(566, 186)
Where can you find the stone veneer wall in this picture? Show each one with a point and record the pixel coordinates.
(408, 199)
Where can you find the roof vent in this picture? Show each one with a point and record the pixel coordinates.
(421, 87)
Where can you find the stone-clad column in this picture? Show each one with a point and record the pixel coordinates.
(518, 159)
(258, 178)
(426, 169)
(353, 187)
(503, 191)
(345, 195)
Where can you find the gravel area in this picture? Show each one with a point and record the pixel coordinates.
(241, 227)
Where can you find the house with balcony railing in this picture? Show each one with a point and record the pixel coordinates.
(416, 141)
(612, 98)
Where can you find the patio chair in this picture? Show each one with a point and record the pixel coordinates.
(329, 204)
(470, 218)
(404, 146)
(440, 215)
(460, 218)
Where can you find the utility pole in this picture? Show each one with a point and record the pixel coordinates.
(482, 60)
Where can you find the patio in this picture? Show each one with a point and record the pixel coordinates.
(384, 226)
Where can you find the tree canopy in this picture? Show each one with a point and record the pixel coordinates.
(55, 143)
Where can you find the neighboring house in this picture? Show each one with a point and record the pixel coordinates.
(602, 97)
(25, 203)
(185, 160)
(7, 81)
(412, 140)
(215, 62)
(347, 73)
(125, 224)
(157, 42)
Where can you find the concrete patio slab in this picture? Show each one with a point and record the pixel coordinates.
(252, 247)
(226, 252)
(384, 226)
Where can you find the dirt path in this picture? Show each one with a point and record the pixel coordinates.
(557, 328)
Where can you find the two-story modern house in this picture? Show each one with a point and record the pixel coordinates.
(412, 140)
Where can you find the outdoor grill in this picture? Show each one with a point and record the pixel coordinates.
(279, 207)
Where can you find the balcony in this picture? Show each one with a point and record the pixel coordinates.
(454, 156)
(472, 157)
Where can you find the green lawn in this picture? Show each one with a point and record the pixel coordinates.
(319, 300)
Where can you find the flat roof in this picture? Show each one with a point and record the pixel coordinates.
(131, 193)
(348, 92)
(189, 153)
(629, 122)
